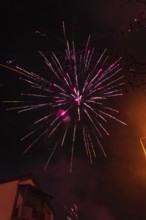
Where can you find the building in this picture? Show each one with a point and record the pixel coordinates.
(22, 199)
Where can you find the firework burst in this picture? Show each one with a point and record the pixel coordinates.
(75, 97)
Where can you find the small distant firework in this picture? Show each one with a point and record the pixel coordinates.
(142, 145)
(41, 34)
(72, 213)
(8, 62)
(75, 98)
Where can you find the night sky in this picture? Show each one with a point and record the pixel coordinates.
(113, 188)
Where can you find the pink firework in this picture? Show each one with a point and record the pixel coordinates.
(74, 98)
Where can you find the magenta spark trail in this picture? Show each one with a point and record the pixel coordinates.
(72, 212)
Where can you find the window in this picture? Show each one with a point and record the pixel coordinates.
(42, 216)
(15, 214)
(34, 213)
(24, 219)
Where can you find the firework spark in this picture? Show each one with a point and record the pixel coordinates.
(72, 213)
(142, 144)
(75, 97)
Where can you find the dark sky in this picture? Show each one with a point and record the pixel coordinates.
(113, 188)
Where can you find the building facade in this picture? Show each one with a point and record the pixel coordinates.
(22, 199)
